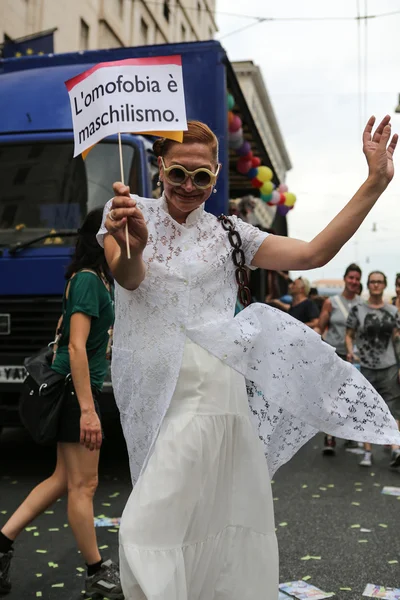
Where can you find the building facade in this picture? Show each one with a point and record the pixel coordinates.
(255, 92)
(93, 24)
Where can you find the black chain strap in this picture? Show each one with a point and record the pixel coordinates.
(238, 260)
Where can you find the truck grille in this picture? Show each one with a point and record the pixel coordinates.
(33, 323)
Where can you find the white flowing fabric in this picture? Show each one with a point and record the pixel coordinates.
(199, 523)
(296, 384)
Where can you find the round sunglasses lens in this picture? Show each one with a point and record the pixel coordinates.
(202, 179)
(177, 175)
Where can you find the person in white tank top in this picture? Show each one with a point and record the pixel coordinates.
(332, 327)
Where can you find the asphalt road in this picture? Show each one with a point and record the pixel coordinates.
(321, 504)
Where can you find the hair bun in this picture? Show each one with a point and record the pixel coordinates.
(158, 146)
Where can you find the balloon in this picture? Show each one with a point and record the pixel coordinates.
(252, 174)
(244, 149)
(282, 199)
(264, 174)
(283, 188)
(266, 198)
(230, 117)
(275, 197)
(256, 161)
(231, 101)
(283, 210)
(235, 124)
(267, 187)
(256, 183)
(290, 199)
(235, 144)
(243, 165)
(237, 135)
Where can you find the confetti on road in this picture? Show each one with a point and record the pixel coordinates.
(41, 551)
(115, 495)
(303, 591)
(107, 522)
(377, 591)
(355, 503)
(282, 524)
(391, 491)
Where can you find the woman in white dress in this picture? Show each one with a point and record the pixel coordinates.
(211, 404)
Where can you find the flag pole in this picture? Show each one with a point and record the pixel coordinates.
(128, 250)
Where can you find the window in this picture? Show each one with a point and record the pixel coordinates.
(84, 36)
(183, 33)
(144, 32)
(107, 37)
(43, 187)
(167, 10)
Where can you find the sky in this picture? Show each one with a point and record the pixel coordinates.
(325, 78)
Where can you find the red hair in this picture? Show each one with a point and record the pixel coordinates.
(197, 133)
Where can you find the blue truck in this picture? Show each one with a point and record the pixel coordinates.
(45, 192)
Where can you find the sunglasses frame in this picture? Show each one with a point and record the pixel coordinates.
(191, 174)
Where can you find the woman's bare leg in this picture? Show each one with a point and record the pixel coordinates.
(82, 475)
(40, 498)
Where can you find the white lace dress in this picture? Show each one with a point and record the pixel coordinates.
(199, 523)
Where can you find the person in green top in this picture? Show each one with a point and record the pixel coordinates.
(83, 338)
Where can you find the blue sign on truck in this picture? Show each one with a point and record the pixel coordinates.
(45, 193)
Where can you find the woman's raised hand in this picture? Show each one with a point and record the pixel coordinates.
(378, 149)
(124, 210)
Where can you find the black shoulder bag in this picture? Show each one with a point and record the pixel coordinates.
(44, 391)
(42, 397)
(239, 261)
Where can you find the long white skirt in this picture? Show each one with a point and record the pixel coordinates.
(199, 523)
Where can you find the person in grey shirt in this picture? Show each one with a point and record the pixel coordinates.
(375, 327)
(332, 325)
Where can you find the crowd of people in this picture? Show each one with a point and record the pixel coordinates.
(364, 332)
(205, 423)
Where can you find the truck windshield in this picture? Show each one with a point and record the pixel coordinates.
(44, 189)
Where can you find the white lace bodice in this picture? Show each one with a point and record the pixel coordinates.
(190, 281)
